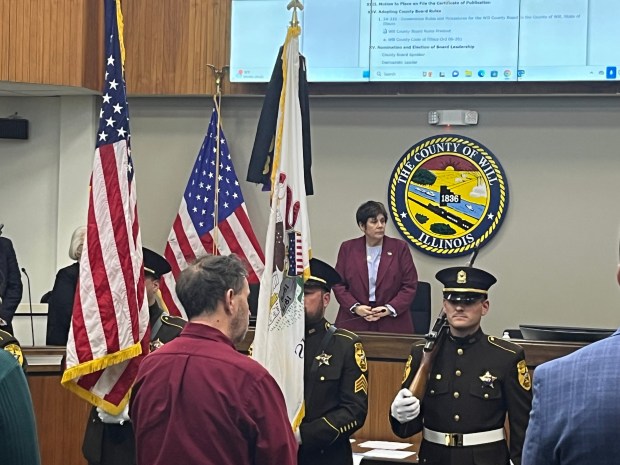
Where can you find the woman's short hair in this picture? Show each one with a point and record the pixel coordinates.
(205, 282)
(77, 243)
(370, 209)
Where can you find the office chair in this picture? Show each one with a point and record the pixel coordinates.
(421, 308)
(253, 302)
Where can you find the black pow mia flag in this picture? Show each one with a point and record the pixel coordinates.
(261, 162)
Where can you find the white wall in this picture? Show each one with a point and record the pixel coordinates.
(555, 255)
(29, 189)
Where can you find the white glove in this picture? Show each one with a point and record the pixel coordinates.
(405, 407)
(119, 419)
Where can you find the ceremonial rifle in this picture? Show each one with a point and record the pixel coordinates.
(434, 339)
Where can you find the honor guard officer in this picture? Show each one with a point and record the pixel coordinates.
(335, 378)
(474, 381)
(164, 327)
(109, 439)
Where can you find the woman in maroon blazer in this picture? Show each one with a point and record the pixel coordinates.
(379, 279)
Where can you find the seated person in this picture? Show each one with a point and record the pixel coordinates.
(60, 303)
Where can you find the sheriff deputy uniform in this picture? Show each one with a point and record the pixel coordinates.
(335, 384)
(474, 382)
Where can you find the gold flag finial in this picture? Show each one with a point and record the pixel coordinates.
(219, 73)
(295, 5)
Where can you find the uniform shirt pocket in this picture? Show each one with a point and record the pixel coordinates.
(483, 392)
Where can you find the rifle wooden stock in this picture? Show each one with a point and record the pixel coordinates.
(434, 339)
(418, 384)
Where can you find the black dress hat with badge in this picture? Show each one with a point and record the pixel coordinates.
(154, 264)
(465, 284)
(322, 275)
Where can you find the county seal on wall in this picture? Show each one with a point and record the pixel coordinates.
(448, 195)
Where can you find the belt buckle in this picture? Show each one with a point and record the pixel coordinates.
(453, 439)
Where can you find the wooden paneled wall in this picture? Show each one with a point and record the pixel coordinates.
(170, 43)
(52, 42)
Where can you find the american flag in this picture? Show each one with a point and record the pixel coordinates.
(110, 312)
(194, 233)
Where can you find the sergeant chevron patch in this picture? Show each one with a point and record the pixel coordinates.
(361, 384)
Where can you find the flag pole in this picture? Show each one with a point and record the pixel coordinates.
(217, 98)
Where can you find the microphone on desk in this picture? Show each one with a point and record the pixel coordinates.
(30, 304)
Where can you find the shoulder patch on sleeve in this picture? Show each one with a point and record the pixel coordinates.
(16, 351)
(524, 375)
(360, 357)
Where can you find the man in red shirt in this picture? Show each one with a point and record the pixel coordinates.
(197, 400)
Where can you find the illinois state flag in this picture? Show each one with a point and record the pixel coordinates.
(278, 340)
(110, 312)
(200, 228)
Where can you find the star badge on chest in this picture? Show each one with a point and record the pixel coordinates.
(488, 379)
(323, 358)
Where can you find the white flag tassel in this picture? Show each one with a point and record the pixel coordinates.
(279, 338)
